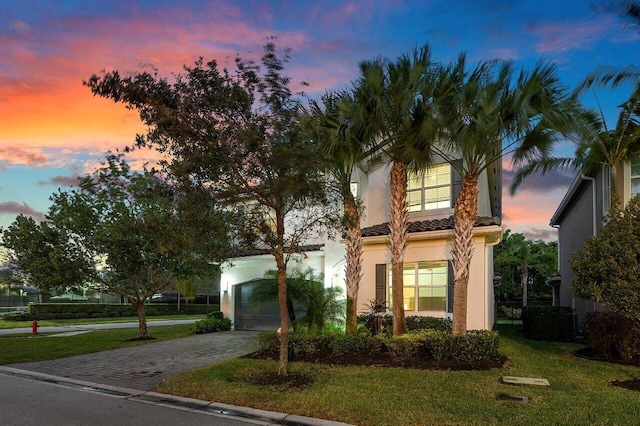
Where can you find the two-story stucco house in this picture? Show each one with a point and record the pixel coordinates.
(428, 274)
(580, 215)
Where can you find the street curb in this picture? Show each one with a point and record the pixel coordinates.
(217, 408)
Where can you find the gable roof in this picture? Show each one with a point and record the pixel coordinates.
(426, 226)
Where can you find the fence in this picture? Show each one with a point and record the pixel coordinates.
(511, 312)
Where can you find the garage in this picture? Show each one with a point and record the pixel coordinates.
(248, 317)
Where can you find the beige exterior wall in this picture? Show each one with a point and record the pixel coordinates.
(425, 247)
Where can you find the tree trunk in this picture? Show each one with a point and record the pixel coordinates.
(525, 279)
(464, 216)
(354, 261)
(142, 319)
(292, 313)
(615, 197)
(283, 366)
(398, 226)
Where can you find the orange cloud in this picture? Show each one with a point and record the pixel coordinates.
(19, 155)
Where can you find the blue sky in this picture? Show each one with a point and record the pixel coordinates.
(52, 129)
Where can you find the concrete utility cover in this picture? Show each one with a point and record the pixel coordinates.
(511, 380)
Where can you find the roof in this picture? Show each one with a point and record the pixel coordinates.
(427, 225)
(258, 252)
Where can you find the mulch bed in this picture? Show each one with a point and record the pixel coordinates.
(380, 359)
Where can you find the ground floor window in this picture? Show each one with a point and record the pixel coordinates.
(424, 286)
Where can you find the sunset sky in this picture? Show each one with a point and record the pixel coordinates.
(52, 129)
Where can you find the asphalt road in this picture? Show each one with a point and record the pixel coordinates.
(28, 402)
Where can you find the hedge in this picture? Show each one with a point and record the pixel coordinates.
(104, 310)
(551, 323)
(212, 324)
(613, 336)
(477, 345)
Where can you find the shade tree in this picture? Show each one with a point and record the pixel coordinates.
(237, 134)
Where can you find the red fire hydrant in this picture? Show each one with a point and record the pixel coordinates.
(34, 327)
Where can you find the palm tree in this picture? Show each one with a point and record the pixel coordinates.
(597, 145)
(609, 148)
(487, 113)
(318, 304)
(391, 97)
(344, 144)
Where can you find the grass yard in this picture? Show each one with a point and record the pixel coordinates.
(580, 391)
(27, 348)
(82, 321)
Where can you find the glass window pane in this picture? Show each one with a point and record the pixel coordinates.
(414, 181)
(635, 165)
(409, 294)
(440, 174)
(635, 186)
(409, 274)
(437, 198)
(432, 299)
(414, 200)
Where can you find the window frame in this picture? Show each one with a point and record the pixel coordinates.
(414, 303)
(423, 176)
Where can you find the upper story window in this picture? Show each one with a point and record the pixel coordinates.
(430, 189)
(353, 187)
(635, 174)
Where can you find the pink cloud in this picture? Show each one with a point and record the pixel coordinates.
(558, 37)
(19, 155)
(15, 208)
(60, 181)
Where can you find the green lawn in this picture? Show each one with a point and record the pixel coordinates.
(27, 348)
(580, 392)
(82, 321)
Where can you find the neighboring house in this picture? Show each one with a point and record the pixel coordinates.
(428, 274)
(580, 215)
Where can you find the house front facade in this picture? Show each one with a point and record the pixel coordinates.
(428, 276)
(579, 216)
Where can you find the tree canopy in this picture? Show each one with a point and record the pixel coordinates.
(608, 268)
(132, 232)
(238, 135)
(519, 260)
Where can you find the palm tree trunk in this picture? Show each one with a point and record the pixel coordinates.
(354, 261)
(525, 279)
(398, 226)
(615, 197)
(464, 216)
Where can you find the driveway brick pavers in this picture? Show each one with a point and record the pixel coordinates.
(145, 366)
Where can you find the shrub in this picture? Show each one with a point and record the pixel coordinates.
(476, 345)
(551, 323)
(414, 323)
(417, 323)
(428, 344)
(104, 310)
(211, 325)
(613, 335)
(511, 313)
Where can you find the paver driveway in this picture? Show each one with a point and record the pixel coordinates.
(145, 366)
